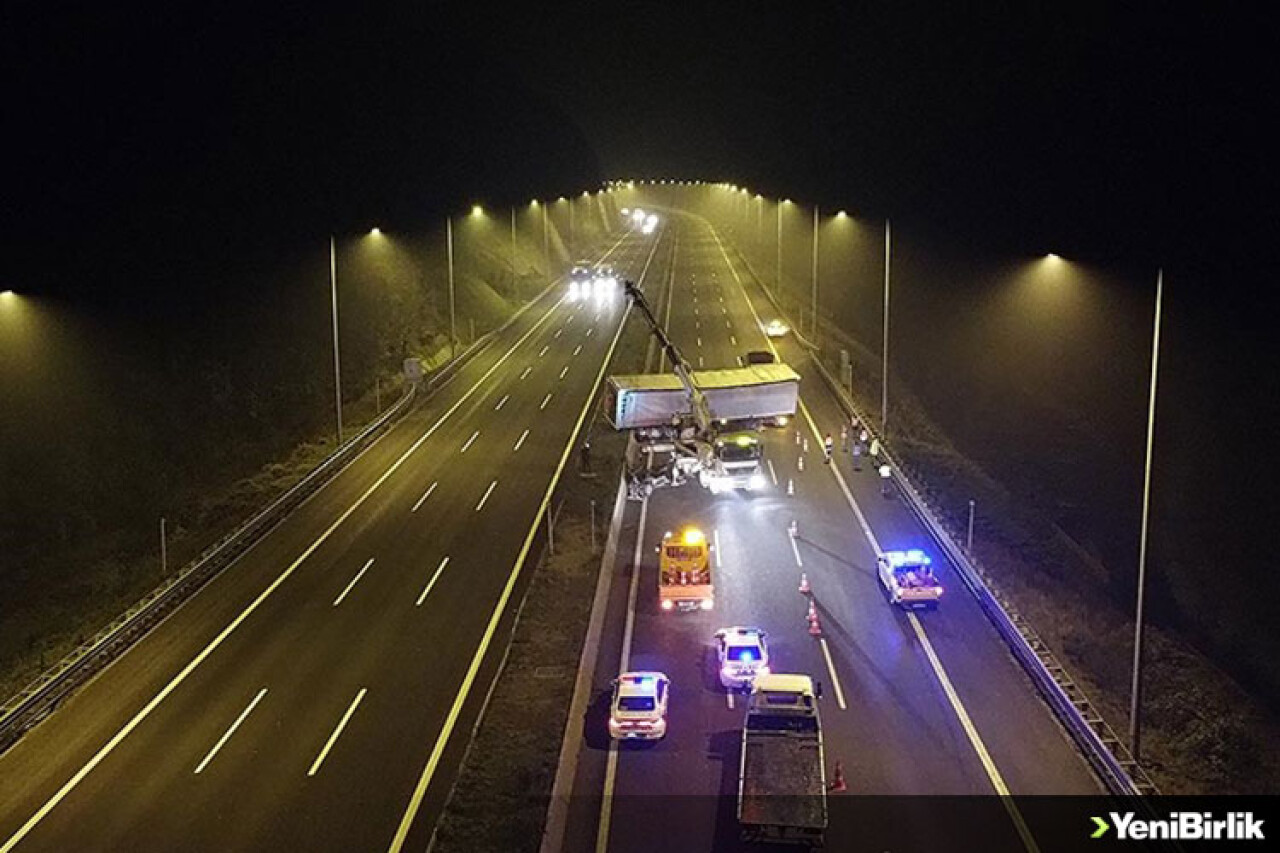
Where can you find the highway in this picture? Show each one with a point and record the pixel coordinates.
(913, 704)
(318, 694)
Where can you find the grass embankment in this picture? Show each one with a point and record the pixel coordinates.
(499, 801)
(1202, 732)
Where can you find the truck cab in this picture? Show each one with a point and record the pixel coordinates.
(684, 571)
(739, 463)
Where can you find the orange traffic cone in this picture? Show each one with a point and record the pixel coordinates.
(804, 583)
(837, 784)
(815, 629)
(813, 613)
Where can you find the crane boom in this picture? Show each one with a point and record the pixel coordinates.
(697, 400)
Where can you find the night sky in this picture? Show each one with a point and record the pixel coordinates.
(1100, 133)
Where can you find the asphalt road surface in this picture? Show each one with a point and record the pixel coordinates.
(318, 694)
(927, 704)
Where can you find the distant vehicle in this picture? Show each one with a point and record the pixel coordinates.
(581, 278)
(638, 708)
(760, 356)
(776, 329)
(604, 278)
(650, 223)
(782, 786)
(684, 571)
(908, 578)
(742, 654)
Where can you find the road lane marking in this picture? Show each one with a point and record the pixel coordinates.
(728, 325)
(520, 441)
(146, 711)
(469, 440)
(699, 341)
(502, 402)
(700, 363)
(697, 324)
(428, 772)
(487, 492)
(733, 339)
(426, 590)
(563, 371)
(545, 400)
(795, 550)
(975, 740)
(624, 663)
(728, 699)
(543, 351)
(577, 349)
(526, 372)
(226, 736)
(772, 473)
(716, 535)
(558, 332)
(589, 331)
(359, 575)
(425, 495)
(333, 738)
(831, 670)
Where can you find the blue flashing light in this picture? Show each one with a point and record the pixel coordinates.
(742, 655)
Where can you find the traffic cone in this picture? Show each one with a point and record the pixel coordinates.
(815, 629)
(804, 584)
(837, 784)
(791, 487)
(800, 463)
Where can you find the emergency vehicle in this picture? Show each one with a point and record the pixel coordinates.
(742, 654)
(908, 578)
(684, 571)
(638, 708)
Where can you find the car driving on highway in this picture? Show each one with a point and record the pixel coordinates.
(908, 578)
(581, 279)
(742, 654)
(776, 328)
(638, 709)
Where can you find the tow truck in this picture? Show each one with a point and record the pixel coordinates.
(908, 578)
(638, 707)
(684, 571)
(742, 654)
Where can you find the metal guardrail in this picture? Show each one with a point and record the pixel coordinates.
(42, 696)
(1101, 747)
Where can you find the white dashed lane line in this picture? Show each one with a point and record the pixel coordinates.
(354, 581)
(474, 435)
(502, 402)
(563, 371)
(577, 349)
(425, 495)
(229, 732)
(545, 400)
(520, 441)
(333, 738)
(435, 576)
(526, 372)
(487, 492)
(543, 351)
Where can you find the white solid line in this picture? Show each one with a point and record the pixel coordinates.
(428, 772)
(831, 670)
(577, 349)
(611, 761)
(434, 577)
(545, 400)
(502, 402)
(342, 724)
(229, 732)
(487, 492)
(520, 440)
(469, 440)
(526, 372)
(425, 495)
(544, 351)
(359, 575)
(563, 371)
(795, 550)
(997, 781)
(772, 473)
(716, 535)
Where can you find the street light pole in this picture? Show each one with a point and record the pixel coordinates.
(453, 328)
(813, 309)
(1135, 696)
(884, 359)
(337, 363)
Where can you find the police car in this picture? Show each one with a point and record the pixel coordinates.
(742, 654)
(908, 578)
(638, 709)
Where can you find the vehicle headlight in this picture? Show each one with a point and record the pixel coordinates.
(706, 604)
(667, 604)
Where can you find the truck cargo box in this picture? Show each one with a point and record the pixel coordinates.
(741, 393)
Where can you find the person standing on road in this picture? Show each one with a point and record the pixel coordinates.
(857, 456)
(827, 446)
(875, 451)
(844, 439)
(886, 481)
